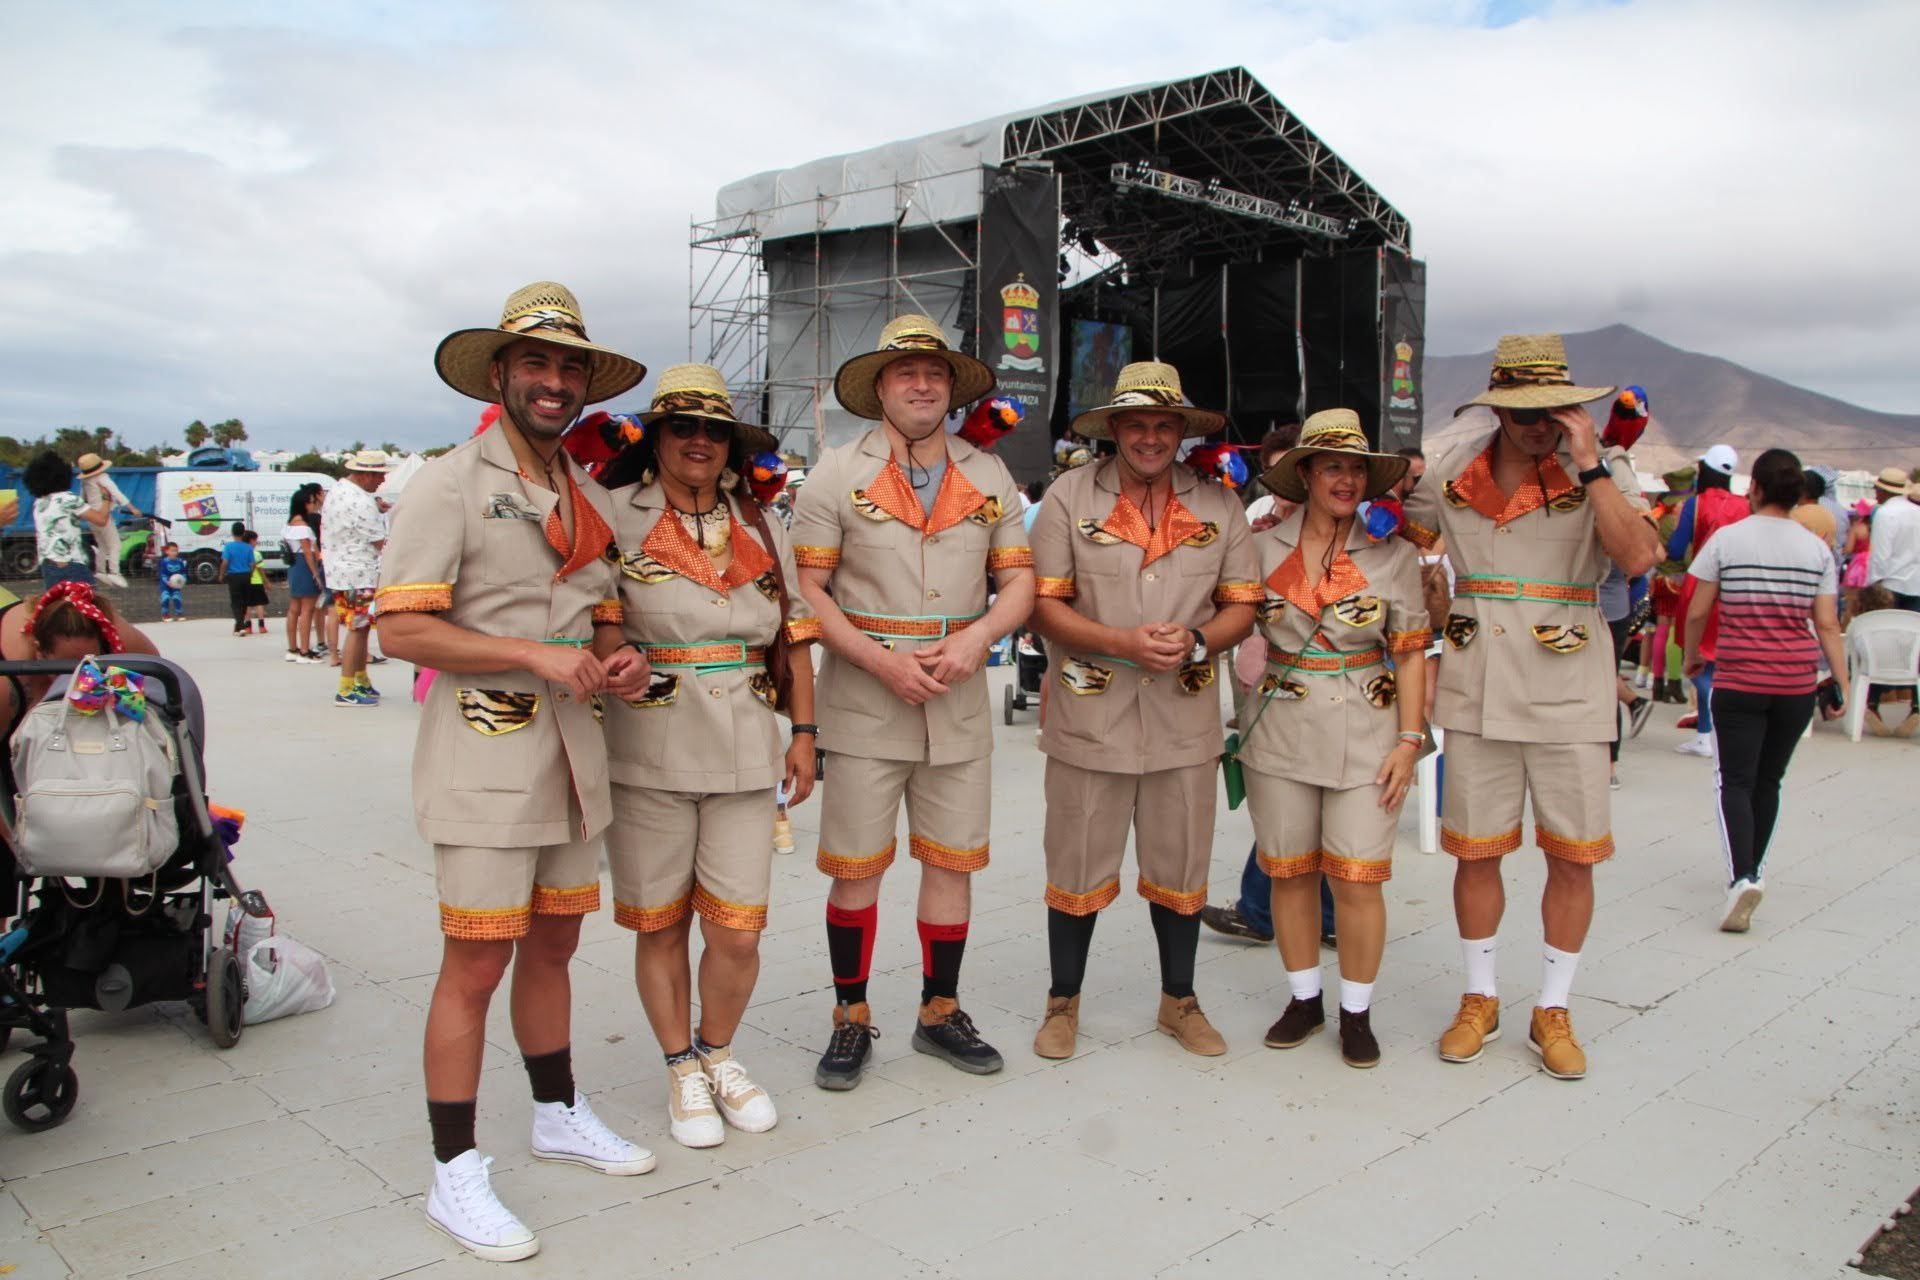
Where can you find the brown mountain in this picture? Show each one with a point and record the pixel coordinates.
(1698, 400)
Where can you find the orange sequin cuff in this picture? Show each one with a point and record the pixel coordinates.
(1287, 868)
(1239, 593)
(651, 919)
(1054, 588)
(733, 915)
(1010, 558)
(854, 868)
(803, 630)
(1419, 535)
(1583, 852)
(477, 924)
(1479, 846)
(817, 557)
(945, 856)
(415, 597)
(1399, 642)
(1082, 904)
(580, 900)
(1357, 870)
(609, 610)
(1172, 899)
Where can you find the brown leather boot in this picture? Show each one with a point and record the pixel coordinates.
(1181, 1018)
(1057, 1033)
(1300, 1019)
(1357, 1045)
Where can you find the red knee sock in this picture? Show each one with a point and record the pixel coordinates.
(941, 946)
(850, 948)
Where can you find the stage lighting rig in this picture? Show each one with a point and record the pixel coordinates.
(1141, 176)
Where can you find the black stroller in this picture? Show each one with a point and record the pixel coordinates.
(114, 944)
(1029, 669)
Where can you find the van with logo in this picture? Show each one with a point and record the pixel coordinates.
(202, 506)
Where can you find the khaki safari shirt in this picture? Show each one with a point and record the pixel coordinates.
(1526, 658)
(478, 544)
(1092, 546)
(1332, 646)
(706, 723)
(904, 578)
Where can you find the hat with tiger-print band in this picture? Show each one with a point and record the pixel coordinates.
(542, 310)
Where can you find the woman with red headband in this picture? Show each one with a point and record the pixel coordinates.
(66, 624)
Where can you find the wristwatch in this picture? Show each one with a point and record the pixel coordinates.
(1598, 471)
(1199, 651)
(813, 729)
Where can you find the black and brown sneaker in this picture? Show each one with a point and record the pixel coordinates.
(1300, 1019)
(845, 1060)
(946, 1032)
(1357, 1045)
(1229, 921)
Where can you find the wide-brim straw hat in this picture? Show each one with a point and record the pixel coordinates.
(1893, 480)
(908, 336)
(1152, 386)
(1333, 431)
(375, 461)
(91, 465)
(542, 310)
(1530, 372)
(700, 391)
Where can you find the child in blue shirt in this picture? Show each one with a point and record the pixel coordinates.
(236, 558)
(173, 604)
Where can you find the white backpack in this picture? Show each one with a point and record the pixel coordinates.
(96, 793)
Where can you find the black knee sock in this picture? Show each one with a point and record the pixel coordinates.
(850, 949)
(1069, 938)
(551, 1075)
(941, 948)
(452, 1127)
(1179, 938)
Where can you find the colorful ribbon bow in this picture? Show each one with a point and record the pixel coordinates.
(91, 688)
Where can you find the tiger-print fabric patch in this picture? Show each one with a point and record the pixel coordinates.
(1288, 690)
(1208, 535)
(987, 514)
(1460, 630)
(1571, 500)
(868, 507)
(644, 569)
(496, 711)
(599, 705)
(1360, 611)
(1383, 690)
(662, 688)
(1093, 530)
(1454, 497)
(768, 585)
(1268, 608)
(1562, 639)
(1195, 676)
(761, 683)
(1084, 678)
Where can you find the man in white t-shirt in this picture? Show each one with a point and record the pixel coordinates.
(353, 530)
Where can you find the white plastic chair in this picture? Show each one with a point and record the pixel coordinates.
(1426, 776)
(1883, 648)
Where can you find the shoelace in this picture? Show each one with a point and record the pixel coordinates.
(585, 1124)
(847, 1036)
(473, 1195)
(1470, 1009)
(963, 1027)
(1559, 1023)
(695, 1093)
(730, 1080)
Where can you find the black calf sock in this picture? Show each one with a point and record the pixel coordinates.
(452, 1126)
(942, 947)
(551, 1075)
(1069, 939)
(1178, 937)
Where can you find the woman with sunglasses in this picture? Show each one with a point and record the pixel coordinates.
(707, 588)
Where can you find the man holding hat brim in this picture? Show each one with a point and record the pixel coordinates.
(356, 531)
(499, 575)
(1531, 517)
(98, 489)
(1335, 723)
(895, 535)
(1145, 575)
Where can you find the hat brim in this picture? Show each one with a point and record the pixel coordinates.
(757, 438)
(464, 357)
(1536, 396)
(369, 471)
(853, 384)
(1881, 486)
(1284, 477)
(1097, 424)
(100, 470)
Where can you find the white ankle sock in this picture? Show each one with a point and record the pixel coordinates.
(1556, 978)
(1481, 957)
(1356, 997)
(1305, 983)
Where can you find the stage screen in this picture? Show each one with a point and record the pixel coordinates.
(1100, 351)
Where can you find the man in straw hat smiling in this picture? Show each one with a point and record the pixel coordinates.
(1146, 574)
(1531, 517)
(498, 576)
(894, 536)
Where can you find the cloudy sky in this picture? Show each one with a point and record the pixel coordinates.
(273, 212)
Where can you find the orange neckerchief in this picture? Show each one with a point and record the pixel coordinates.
(591, 534)
(1289, 581)
(674, 547)
(892, 492)
(1476, 487)
(1177, 524)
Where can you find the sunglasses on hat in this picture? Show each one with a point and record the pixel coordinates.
(688, 428)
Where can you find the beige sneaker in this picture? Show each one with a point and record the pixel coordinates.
(1183, 1020)
(783, 834)
(1057, 1034)
(1477, 1023)
(1551, 1036)
(743, 1104)
(691, 1117)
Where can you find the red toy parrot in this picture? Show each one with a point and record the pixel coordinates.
(1220, 462)
(1631, 414)
(597, 439)
(766, 477)
(991, 420)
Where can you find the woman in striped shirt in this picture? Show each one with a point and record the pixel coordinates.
(1770, 577)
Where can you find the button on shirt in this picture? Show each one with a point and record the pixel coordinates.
(1893, 560)
(350, 524)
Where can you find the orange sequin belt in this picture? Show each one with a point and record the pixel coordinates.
(1480, 586)
(712, 653)
(1325, 662)
(886, 626)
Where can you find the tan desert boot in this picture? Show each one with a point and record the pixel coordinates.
(1551, 1036)
(1056, 1036)
(1181, 1018)
(1477, 1023)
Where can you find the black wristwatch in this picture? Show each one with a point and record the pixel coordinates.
(1199, 651)
(1598, 471)
(813, 729)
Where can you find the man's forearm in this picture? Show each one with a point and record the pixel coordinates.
(836, 632)
(1227, 628)
(1011, 607)
(1629, 541)
(1058, 622)
(428, 640)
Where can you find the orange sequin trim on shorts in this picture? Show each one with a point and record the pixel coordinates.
(1479, 846)
(1356, 870)
(1584, 852)
(579, 900)
(1185, 903)
(733, 915)
(651, 919)
(945, 856)
(1286, 868)
(1082, 904)
(485, 924)
(855, 868)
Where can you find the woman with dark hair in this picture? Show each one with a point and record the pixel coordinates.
(1712, 507)
(59, 520)
(68, 623)
(1769, 576)
(303, 571)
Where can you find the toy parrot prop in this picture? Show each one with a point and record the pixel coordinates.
(1220, 462)
(766, 477)
(990, 420)
(597, 439)
(1631, 413)
(1383, 518)
(488, 416)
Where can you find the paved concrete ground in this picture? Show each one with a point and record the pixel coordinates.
(1753, 1105)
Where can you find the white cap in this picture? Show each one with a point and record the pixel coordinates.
(1720, 458)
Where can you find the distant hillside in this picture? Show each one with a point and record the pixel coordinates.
(1698, 400)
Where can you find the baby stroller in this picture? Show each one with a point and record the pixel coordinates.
(1029, 669)
(94, 942)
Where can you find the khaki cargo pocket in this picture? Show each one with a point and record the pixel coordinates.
(1359, 611)
(1460, 630)
(496, 711)
(1195, 676)
(761, 683)
(1287, 690)
(1383, 690)
(1084, 678)
(1562, 639)
(662, 688)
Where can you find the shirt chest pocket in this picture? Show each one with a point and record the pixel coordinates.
(514, 553)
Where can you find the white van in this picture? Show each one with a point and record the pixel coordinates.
(204, 504)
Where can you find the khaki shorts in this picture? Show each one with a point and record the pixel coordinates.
(672, 853)
(1299, 829)
(492, 895)
(1486, 781)
(947, 807)
(355, 608)
(1088, 814)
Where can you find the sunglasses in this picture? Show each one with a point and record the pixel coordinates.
(1528, 417)
(688, 428)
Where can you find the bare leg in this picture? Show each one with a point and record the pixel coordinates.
(1480, 896)
(542, 990)
(1360, 912)
(1296, 920)
(946, 897)
(353, 657)
(661, 975)
(457, 1016)
(729, 967)
(1566, 908)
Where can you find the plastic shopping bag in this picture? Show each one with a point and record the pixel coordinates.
(285, 977)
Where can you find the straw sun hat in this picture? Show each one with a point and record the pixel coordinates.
(908, 336)
(1332, 431)
(1530, 372)
(542, 310)
(1147, 385)
(91, 465)
(375, 461)
(699, 391)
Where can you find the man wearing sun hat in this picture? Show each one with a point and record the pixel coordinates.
(499, 576)
(97, 489)
(895, 535)
(1146, 574)
(356, 530)
(1531, 517)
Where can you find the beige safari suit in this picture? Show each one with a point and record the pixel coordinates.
(903, 577)
(1526, 688)
(1330, 716)
(1124, 746)
(695, 759)
(509, 771)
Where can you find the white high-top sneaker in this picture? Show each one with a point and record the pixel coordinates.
(744, 1104)
(462, 1205)
(691, 1117)
(574, 1135)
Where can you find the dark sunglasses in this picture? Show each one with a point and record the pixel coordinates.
(688, 428)
(1527, 417)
